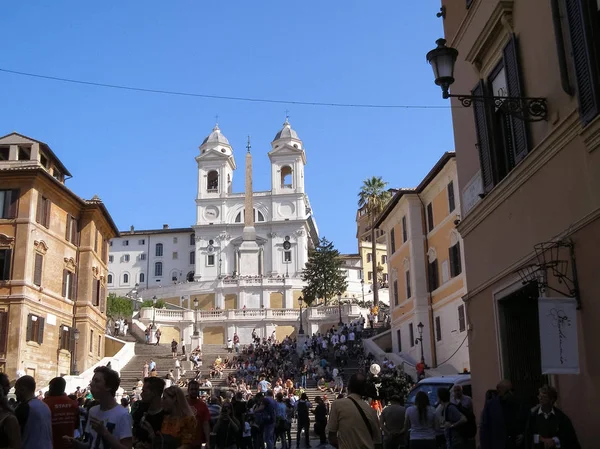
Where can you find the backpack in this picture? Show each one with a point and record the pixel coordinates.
(302, 410)
(467, 430)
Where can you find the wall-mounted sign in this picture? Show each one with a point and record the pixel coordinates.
(558, 335)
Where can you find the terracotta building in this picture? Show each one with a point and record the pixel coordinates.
(53, 265)
(529, 177)
(425, 262)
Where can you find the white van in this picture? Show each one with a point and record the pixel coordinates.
(430, 385)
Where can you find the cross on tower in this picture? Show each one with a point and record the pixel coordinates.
(217, 119)
(248, 146)
(287, 115)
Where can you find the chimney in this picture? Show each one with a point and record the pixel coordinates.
(132, 228)
(165, 226)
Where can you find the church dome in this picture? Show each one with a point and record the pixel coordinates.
(216, 137)
(286, 132)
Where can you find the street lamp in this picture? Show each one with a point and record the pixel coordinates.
(340, 308)
(420, 339)
(76, 338)
(195, 317)
(362, 287)
(443, 60)
(300, 300)
(154, 299)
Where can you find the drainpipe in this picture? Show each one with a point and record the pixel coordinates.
(430, 296)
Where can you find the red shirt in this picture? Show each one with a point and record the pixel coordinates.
(200, 409)
(65, 418)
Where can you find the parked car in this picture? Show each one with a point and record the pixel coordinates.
(430, 385)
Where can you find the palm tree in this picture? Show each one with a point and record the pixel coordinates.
(374, 196)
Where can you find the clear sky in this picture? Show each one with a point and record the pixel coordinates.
(136, 150)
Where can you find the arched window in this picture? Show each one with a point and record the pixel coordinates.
(259, 216)
(159, 250)
(142, 277)
(109, 279)
(212, 181)
(158, 269)
(238, 217)
(192, 239)
(125, 278)
(286, 177)
(190, 276)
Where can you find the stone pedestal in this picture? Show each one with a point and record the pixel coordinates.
(196, 341)
(249, 251)
(300, 339)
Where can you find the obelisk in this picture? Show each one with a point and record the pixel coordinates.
(249, 250)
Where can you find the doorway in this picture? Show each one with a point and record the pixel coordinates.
(520, 342)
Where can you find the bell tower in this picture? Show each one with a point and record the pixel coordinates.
(287, 161)
(215, 166)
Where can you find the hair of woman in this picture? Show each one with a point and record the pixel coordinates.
(422, 403)
(181, 405)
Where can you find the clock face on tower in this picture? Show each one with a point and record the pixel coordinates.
(211, 213)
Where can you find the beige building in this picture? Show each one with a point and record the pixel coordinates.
(53, 256)
(427, 280)
(530, 194)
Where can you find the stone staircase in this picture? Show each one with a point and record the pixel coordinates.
(133, 371)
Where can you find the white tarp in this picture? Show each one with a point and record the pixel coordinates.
(558, 335)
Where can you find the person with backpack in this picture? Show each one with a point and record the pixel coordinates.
(303, 416)
(465, 406)
(454, 422)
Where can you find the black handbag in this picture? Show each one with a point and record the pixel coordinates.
(368, 424)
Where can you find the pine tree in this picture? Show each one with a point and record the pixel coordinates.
(323, 273)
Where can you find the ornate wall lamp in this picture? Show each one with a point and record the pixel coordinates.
(443, 60)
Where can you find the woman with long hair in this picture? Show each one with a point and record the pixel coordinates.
(10, 431)
(227, 428)
(179, 424)
(421, 424)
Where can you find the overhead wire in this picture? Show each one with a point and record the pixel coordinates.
(454, 353)
(219, 97)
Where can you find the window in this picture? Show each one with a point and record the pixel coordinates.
(370, 276)
(404, 230)
(392, 241)
(411, 334)
(110, 243)
(8, 203)
(109, 279)
(159, 250)
(35, 328)
(287, 256)
(238, 218)
(259, 216)
(104, 250)
(143, 256)
(111, 259)
(438, 328)
(434, 275)
(430, 224)
(192, 239)
(125, 242)
(141, 241)
(96, 292)
(4, 153)
(462, 319)
(175, 255)
(385, 277)
(369, 257)
(451, 201)
(37, 269)
(142, 277)
(192, 257)
(286, 177)
(399, 338)
(212, 181)
(24, 153)
(210, 260)
(158, 269)
(455, 262)
(174, 239)
(126, 258)
(502, 139)
(68, 284)
(408, 292)
(5, 260)
(96, 239)
(43, 211)
(125, 278)
(66, 337)
(396, 292)
(383, 259)
(91, 341)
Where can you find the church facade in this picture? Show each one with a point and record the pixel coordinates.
(245, 253)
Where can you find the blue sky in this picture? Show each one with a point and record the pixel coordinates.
(136, 150)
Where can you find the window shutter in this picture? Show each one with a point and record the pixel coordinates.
(513, 83)
(40, 335)
(40, 209)
(47, 206)
(102, 298)
(76, 233)
(68, 231)
(3, 331)
(94, 292)
(64, 283)
(457, 262)
(37, 271)
(451, 259)
(483, 138)
(13, 197)
(29, 336)
(7, 263)
(74, 287)
(469, 3)
(587, 88)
